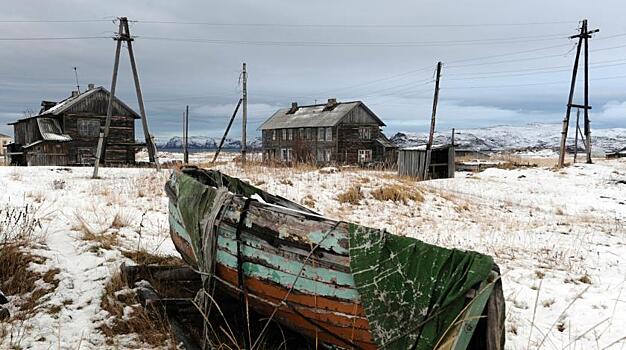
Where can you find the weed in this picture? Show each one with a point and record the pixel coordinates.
(397, 193)
(353, 195)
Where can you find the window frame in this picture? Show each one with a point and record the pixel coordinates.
(365, 133)
(321, 134)
(87, 127)
(367, 156)
(329, 134)
(284, 135)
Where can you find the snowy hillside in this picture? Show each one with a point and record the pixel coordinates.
(206, 143)
(530, 136)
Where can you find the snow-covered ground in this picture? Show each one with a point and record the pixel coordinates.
(559, 238)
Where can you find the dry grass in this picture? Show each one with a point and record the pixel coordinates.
(98, 235)
(122, 218)
(397, 193)
(143, 257)
(128, 317)
(28, 287)
(308, 201)
(353, 195)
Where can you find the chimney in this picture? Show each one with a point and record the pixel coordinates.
(294, 108)
(331, 104)
(74, 93)
(90, 86)
(46, 105)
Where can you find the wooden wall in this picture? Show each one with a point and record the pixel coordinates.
(48, 153)
(412, 162)
(120, 144)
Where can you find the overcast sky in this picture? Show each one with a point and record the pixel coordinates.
(505, 62)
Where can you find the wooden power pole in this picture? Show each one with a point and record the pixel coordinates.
(244, 121)
(582, 37)
(186, 135)
(123, 35)
(431, 134)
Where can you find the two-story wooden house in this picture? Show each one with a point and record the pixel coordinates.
(334, 132)
(66, 132)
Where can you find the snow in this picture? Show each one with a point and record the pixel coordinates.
(556, 234)
(509, 137)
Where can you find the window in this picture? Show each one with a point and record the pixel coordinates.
(309, 133)
(301, 133)
(290, 132)
(284, 134)
(285, 154)
(320, 155)
(365, 155)
(365, 133)
(273, 135)
(88, 127)
(328, 155)
(320, 134)
(329, 134)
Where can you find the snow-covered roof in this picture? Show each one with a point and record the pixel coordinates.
(313, 116)
(51, 130)
(73, 100)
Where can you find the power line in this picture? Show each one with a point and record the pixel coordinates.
(369, 25)
(529, 84)
(54, 38)
(54, 20)
(494, 41)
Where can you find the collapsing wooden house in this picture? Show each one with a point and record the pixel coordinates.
(412, 160)
(66, 132)
(332, 132)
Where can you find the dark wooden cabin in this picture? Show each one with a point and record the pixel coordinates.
(334, 132)
(66, 133)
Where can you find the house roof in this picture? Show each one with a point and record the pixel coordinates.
(51, 130)
(71, 101)
(4, 136)
(313, 116)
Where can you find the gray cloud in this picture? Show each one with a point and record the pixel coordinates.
(205, 75)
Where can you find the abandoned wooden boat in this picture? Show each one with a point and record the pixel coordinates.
(347, 285)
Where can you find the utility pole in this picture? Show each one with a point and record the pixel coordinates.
(230, 123)
(576, 134)
(186, 136)
(582, 37)
(431, 134)
(123, 35)
(452, 141)
(244, 98)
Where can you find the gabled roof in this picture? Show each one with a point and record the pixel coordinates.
(314, 116)
(72, 101)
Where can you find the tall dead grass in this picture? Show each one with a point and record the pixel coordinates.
(352, 195)
(397, 193)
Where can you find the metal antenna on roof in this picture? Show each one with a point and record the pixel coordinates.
(76, 76)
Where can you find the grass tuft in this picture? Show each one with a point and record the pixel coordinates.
(397, 193)
(353, 195)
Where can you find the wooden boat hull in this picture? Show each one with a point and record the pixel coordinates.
(313, 293)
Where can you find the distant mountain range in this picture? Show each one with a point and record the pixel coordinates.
(523, 137)
(495, 138)
(206, 143)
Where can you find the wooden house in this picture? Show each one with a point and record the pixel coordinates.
(334, 132)
(66, 132)
(412, 160)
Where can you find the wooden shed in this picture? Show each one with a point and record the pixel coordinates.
(411, 161)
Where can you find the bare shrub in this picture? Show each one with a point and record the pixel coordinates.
(121, 219)
(17, 277)
(353, 195)
(308, 201)
(58, 184)
(397, 193)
